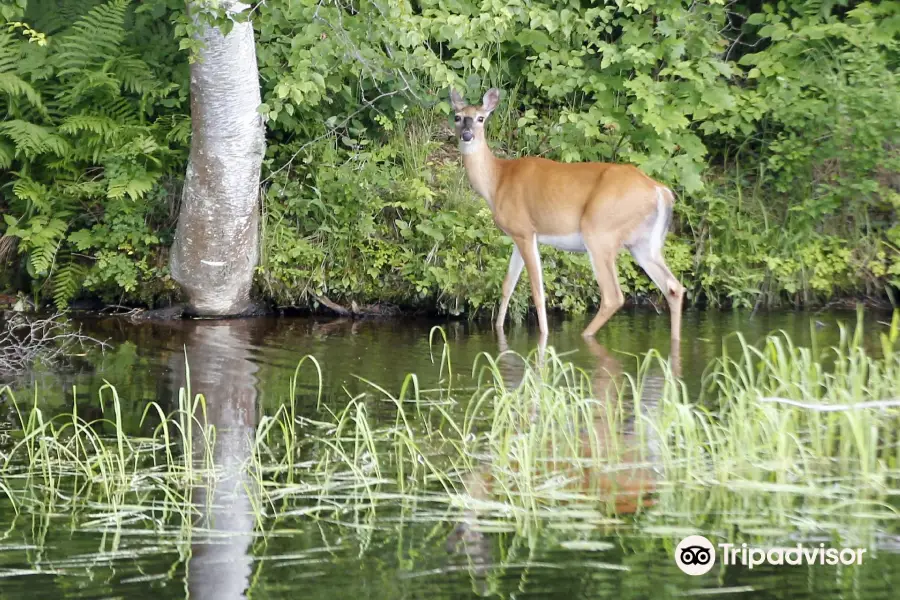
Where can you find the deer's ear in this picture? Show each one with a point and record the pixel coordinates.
(456, 101)
(491, 100)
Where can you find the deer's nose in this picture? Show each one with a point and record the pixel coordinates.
(467, 136)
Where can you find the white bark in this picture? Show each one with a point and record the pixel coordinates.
(217, 237)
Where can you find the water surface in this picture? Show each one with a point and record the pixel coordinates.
(244, 367)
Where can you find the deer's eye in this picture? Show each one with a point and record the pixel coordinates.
(481, 119)
(456, 118)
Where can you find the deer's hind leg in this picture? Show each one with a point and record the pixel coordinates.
(646, 248)
(659, 272)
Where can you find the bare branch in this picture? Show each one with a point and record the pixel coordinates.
(26, 340)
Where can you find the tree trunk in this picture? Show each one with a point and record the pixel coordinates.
(216, 242)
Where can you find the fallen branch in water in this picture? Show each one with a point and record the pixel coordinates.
(25, 340)
(355, 310)
(332, 305)
(889, 403)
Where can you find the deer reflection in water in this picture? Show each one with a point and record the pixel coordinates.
(220, 368)
(629, 479)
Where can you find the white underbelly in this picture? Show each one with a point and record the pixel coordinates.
(572, 242)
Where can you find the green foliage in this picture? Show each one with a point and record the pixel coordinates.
(688, 91)
(408, 233)
(86, 138)
(631, 84)
(776, 123)
(67, 283)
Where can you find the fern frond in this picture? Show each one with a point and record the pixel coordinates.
(94, 188)
(120, 109)
(180, 130)
(67, 282)
(52, 231)
(96, 134)
(33, 65)
(53, 16)
(52, 92)
(8, 52)
(91, 84)
(100, 125)
(40, 257)
(32, 140)
(35, 192)
(93, 39)
(7, 153)
(141, 145)
(133, 184)
(40, 237)
(134, 73)
(14, 86)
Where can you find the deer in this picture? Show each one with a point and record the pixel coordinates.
(591, 207)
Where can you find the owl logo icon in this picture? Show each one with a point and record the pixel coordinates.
(695, 555)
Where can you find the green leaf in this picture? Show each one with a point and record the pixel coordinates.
(430, 232)
(83, 239)
(756, 19)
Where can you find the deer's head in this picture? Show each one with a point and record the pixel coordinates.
(470, 119)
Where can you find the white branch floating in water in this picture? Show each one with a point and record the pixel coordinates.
(889, 403)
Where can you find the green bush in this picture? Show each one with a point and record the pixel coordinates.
(93, 127)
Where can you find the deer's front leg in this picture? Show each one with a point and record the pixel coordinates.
(528, 248)
(509, 284)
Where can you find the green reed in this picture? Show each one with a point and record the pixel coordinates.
(777, 428)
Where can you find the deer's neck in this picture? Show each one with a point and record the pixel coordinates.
(483, 170)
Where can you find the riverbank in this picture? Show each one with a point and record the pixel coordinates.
(408, 232)
(322, 306)
(415, 235)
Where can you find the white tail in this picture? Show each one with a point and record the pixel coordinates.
(597, 208)
(661, 224)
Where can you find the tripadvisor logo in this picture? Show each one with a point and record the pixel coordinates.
(696, 555)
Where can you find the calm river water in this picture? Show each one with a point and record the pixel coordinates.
(244, 368)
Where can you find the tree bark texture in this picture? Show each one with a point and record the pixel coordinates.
(216, 246)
